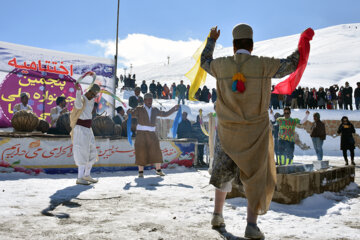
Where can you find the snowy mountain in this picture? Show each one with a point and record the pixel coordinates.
(334, 59)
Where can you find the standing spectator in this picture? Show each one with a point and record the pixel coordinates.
(180, 92)
(287, 100)
(294, 96)
(287, 127)
(300, 97)
(341, 97)
(173, 91)
(281, 99)
(306, 98)
(321, 98)
(132, 81)
(357, 96)
(144, 87)
(318, 135)
(152, 88)
(347, 93)
(187, 91)
(313, 99)
(202, 139)
(204, 94)
(166, 91)
(184, 129)
(274, 99)
(333, 90)
(121, 78)
(213, 95)
(198, 94)
(346, 129)
(209, 96)
(159, 89)
(328, 100)
(275, 133)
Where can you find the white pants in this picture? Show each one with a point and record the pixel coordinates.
(84, 148)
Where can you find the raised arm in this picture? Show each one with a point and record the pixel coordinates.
(305, 118)
(288, 65)
(168, 113)
(207, 53)
(78, 102)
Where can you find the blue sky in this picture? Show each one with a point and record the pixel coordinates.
(88, 26)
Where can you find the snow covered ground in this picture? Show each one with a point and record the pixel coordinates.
(177, 206)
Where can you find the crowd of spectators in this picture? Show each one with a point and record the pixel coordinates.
(334, 97)
(163, 91)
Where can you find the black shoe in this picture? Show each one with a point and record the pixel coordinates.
(352, 162)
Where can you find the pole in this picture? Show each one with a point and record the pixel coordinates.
(116, 53)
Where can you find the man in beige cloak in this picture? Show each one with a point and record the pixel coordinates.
(147, 146)
(245, 147)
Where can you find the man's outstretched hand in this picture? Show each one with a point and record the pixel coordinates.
(214, 33)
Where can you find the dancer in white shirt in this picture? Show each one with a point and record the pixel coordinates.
(84, 148)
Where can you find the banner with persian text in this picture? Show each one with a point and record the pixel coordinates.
(55, 154)
(46, 75)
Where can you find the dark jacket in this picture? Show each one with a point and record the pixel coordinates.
(184, 129)
(117, 119)
(198, 133)
(357, 92)
(204, 95)
(333, 91)
(134, 102)
(144, 88)
(318, 130)
(347, 91)
(152, 88)
(159, 90)
(213, 95)
(347, 139)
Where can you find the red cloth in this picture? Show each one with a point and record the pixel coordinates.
(289, 85)
(84, 123)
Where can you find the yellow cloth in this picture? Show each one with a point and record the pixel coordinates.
(243, 123)
(196, 75)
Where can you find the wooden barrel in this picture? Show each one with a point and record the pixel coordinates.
(43, 126)
(63, 124)
(24, 121)
(117, 130)
(103, 126)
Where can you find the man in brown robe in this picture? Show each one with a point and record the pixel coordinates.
(147, 146)
(244, 150)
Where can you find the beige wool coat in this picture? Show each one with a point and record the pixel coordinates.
(147, 146)
(243, 123)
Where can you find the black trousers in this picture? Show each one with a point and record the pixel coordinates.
(351, 154)
(200, 153)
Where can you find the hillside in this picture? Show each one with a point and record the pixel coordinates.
(334, 58)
